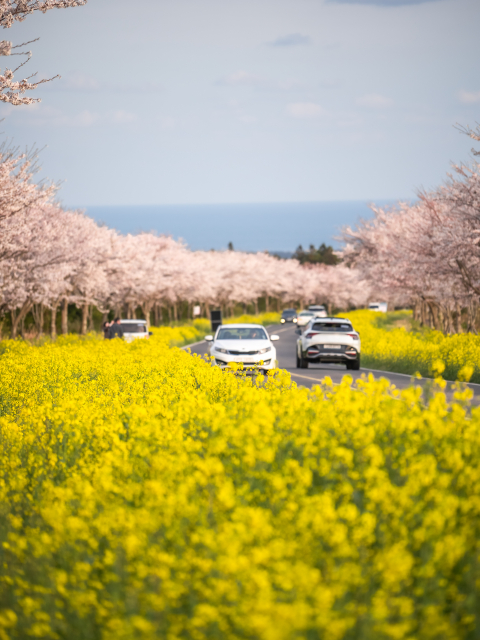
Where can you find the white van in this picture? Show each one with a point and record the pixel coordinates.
(318, 310)
(378, 306)
(134, 329)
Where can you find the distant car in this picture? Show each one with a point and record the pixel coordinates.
(248, 344)
(288, 315)
(134, 329)
(331, 340)
(319, 310)
(304, 318)
(378, 306)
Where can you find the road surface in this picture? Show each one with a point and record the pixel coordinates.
(316, 372)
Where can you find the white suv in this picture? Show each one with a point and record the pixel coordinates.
(331, 340)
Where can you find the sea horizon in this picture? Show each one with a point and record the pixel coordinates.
(273, 227)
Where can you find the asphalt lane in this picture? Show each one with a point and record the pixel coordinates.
(286, 355)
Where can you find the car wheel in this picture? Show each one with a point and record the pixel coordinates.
(303, 362)
(298, 362)
(354, 365)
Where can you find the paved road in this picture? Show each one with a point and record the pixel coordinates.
(316, 372)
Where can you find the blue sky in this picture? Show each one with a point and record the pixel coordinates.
(231, 101)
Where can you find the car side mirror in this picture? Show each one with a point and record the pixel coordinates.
(208, 338)
(274, 337)
(150, 333)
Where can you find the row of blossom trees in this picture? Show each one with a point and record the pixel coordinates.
(51, 258)
(427, 254)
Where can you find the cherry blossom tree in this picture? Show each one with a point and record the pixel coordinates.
(13, 91)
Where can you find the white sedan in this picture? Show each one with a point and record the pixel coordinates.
(248, 344)
(304, 318)
(329, 340)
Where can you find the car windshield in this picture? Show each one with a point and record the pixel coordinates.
(133, 327)
(242, 333)
(332, 327)
(307, 313)
(289, 312)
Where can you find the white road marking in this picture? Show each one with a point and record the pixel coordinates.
(194, 344)
(299, 375)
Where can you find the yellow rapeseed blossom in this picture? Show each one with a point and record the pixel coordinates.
(430, 353)
(146, 494)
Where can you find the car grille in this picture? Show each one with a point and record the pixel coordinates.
(243, 353)
(246, 365)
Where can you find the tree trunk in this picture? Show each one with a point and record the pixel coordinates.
(458, 317)
(423, 313)
(255, 302)
(472, 316)
(416, 310)
(157, 314)
(147, 309)
(38, 317)
(90, 325)
(53, 321)
(17, 319)
(434, 315)
(175, 312)
(65, 316)
(83, 330)
(448, 320)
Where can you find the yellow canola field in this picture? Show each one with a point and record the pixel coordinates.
(145, 494)
(430, 352)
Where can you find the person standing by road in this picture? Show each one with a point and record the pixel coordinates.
(115, 330)
(106, 329)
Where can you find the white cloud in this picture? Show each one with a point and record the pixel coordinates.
(241, 78)
(45, 116)
(374, 101)
(469, 97)
(290, 40)
(383, 3)
(245, 79)
(78, 81)
(123, 117)
(84, 119)
(305, 110)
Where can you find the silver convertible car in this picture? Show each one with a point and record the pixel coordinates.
(248, 344)
(329, 340)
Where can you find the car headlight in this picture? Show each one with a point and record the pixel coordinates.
(282, 320)
(295, 320)
(265, 350)
(221, 350)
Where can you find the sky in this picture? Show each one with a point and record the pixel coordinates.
(237, 101)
